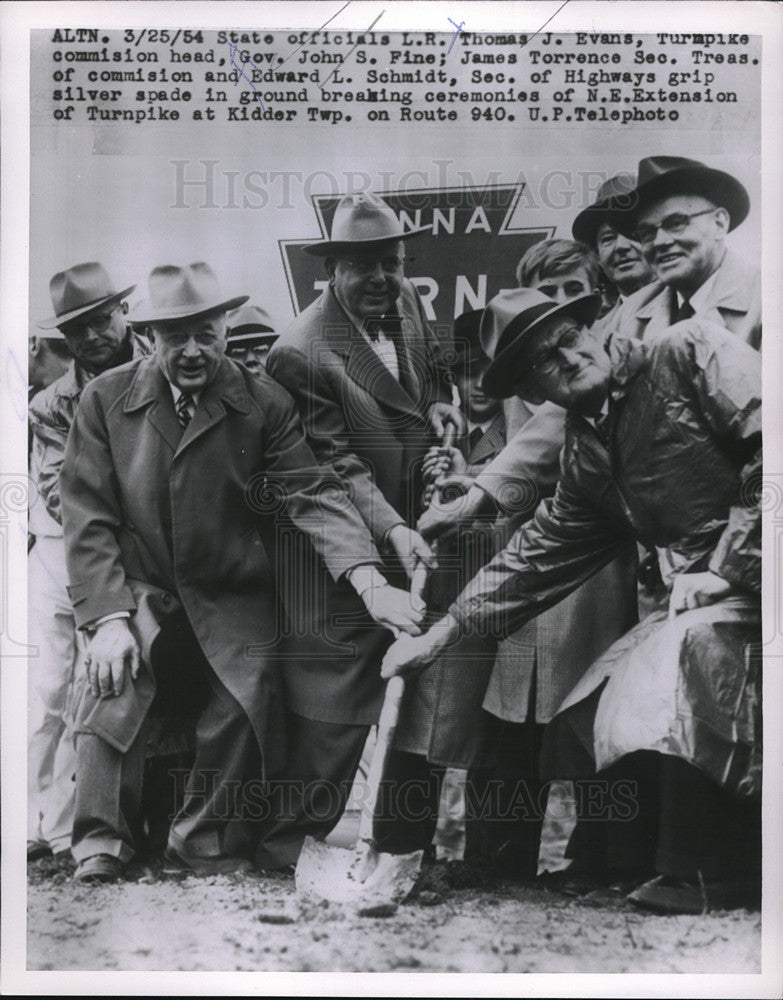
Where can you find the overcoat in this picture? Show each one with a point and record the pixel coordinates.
(157, 520)
(373, 430)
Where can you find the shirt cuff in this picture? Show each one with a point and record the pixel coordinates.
(107, 618)
(364, 578)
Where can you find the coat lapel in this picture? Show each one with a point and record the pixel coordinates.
(490, 443)
(228, 388)
(362, 364)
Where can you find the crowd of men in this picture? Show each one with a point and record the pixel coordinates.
(230, 526)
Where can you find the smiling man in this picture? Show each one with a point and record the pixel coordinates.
(174, 574)
(663, 445)
(680, 213)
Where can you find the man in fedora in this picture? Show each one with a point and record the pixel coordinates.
(620, 258)
(663, 445)
(680, 212)
(363, 366)
(90, 323)
(186, 487)
(250, 337)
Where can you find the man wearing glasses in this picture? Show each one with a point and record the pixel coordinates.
(680, 213)
(90, 315)
(663, 445)
(362, 365)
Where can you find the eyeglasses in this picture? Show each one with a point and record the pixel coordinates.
(547, 360)
(389, 264)
(180, 339)
(673, 225)
(97, 322)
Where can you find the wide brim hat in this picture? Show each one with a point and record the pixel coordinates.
(663, 176)
(183, 293)
(510, 319)
(80, 290)
(613, 195)
(361, 221)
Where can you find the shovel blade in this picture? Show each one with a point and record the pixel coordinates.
(355, 876)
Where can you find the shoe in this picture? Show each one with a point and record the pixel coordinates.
(97, 869)
(665, 894)
(175, 863)
(37, 849)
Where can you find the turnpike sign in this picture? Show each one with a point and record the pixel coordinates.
(468, 253)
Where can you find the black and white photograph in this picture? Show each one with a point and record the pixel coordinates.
(391, 529)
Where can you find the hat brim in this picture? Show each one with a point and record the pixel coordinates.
(251, 338)
(330, 248)
(714, 185)
(57, 321)
(501, 378)
(148, 314)
(586, 225)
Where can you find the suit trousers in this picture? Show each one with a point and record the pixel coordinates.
(214, 819)
(51, 755)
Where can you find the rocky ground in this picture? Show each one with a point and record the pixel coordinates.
(448, 924)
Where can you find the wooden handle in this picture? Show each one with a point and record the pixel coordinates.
(386, 726)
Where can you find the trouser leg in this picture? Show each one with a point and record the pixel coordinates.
(705, 832)
(308, 797)
(407, 810)
(51, 751)
(108, 797)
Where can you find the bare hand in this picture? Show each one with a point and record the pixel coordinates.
(440, 460)
(441, 414)
(395, 609)
(111, 649)
(697, 590)
(444, 516)
(410, 548)
(411, 655)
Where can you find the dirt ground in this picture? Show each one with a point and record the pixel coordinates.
(250, 922)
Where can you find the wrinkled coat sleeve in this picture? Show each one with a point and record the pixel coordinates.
(565, 544)
(50, 432)
(315, 498)
(528, 468)
(92, 517)
(329, 436)
(725, 374)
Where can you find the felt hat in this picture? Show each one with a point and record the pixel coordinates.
(467, 343)
(363, 221)
(508, 323)
(80, 290)
(249, 327)
(183, 293)
(613, 195)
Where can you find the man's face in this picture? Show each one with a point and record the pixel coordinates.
(95, 338)
(477, 407)
(686, 259)
(621, 260)
(253, 358)
(190, 350)
(567, 365)
(368, 282)
(564, 287)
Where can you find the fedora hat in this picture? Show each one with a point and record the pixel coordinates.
(662, 176)
(80, 290)
(250, 326)
(183, 293)
(467, 343)
(508, 323)
(613, 195)
(361, 220)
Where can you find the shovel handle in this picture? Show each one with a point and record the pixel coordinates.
(387, 723)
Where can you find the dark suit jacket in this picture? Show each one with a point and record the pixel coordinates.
(373, 430)
(156, 520)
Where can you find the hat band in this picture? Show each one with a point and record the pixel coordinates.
(521, 322)
(86, 305)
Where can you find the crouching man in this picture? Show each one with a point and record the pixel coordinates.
(663, 444)
(181, 472)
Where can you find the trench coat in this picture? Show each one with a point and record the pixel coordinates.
(156, 520)
(734, 302)
(673, 465)
(373, 430)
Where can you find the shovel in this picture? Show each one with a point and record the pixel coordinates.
(363, 876)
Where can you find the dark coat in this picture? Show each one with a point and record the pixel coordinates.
(373, 430)
(674, 467)
(156, 520)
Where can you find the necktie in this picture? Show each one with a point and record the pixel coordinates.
(685, 311)
(184, 409)
(474, 437)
